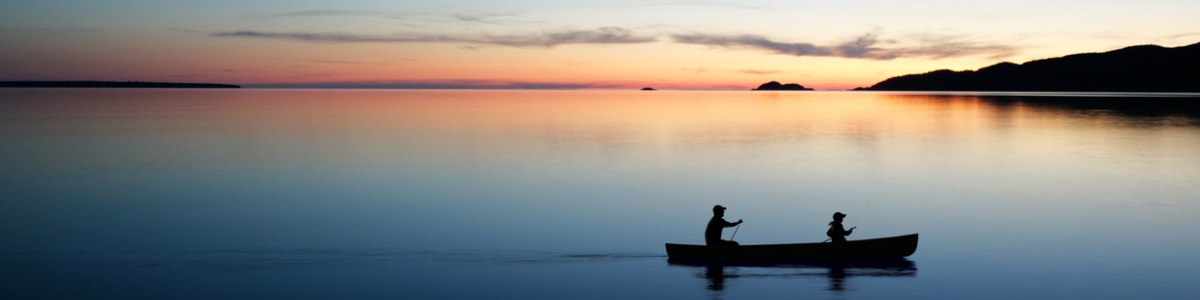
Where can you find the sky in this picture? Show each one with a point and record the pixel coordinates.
(722, 45)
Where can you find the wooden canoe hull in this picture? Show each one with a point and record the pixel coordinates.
(897, 246)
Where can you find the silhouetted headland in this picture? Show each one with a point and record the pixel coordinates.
(648, 89)
(776, 86)
(111, 84)
(1146, 68)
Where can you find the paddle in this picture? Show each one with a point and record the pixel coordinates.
(735, 232)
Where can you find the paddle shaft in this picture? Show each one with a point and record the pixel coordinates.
(735, 231)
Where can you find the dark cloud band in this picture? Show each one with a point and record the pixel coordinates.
(867, 46)
(603, 35)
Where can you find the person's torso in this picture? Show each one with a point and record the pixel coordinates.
(715, 225)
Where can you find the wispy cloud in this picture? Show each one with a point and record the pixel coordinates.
(946, 46)
(698, 70)
(752, 41)
(603, 35)
(867, 46)
(760, 72)
(492, 19)
(55, 30)
(412, 19)
(1183, 35)
(335, 37)
(331, 13)
(339, 62)
(713, 4)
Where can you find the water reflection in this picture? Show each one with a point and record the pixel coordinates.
(837, 272)
(482, 179)
(1136, 110)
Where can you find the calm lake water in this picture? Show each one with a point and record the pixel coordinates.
(380, 194)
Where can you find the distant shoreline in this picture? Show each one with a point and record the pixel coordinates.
(112, 84)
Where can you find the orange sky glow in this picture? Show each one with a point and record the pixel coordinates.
(559, 45)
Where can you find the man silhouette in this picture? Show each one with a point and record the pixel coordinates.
(712, 235)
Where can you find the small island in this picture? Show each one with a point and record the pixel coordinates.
(648, 89)
(776, 86)
(112, 84)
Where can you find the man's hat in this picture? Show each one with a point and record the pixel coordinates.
(838, 215)
(718, 208)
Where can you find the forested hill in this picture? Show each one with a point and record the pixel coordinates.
(1146, 68)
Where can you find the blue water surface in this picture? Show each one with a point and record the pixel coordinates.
(382, 194)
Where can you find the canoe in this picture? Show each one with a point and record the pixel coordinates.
(888, 247)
